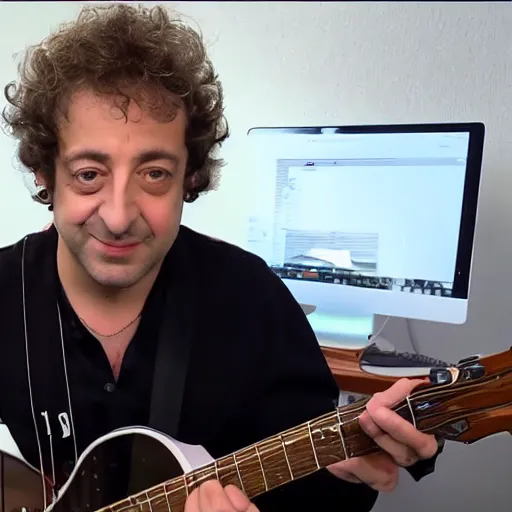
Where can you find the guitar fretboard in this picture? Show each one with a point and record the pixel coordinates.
(271, 463)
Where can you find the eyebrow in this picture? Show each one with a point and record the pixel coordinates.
(104, 158)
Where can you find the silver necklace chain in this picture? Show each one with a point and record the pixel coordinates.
(109, 335)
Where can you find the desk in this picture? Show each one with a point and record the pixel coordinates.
(344, 364)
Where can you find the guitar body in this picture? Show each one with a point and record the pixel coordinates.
(119, 464)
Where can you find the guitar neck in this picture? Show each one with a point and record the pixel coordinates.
(271, 463)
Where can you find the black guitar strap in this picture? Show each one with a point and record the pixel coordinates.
(174, 341)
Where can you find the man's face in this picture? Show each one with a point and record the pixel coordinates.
(118, 195)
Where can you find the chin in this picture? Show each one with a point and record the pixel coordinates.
(120, 277)
(113, 281)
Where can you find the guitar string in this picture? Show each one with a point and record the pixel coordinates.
(163, 494)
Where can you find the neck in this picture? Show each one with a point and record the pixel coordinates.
(271, 463)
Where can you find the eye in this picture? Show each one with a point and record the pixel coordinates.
(87, 176)
(156, 175)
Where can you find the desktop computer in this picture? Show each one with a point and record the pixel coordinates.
(367, 220)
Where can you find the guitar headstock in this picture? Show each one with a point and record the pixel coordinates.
(467, 402)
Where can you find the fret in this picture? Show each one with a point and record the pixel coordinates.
(411, 410)
(238, 473)
(134, 501)
(273, 462)
(300, 451)
(130, 504)
(185, 484)
(197, 477)
(292, 477)
(262, 469)
(313, 445)
(149, 503)
(174, 491)
(217, 471)
(356, 441)
(166, 494)
(190, 478)
(270, 459)
(249, 470)
(342, 436)
(227, 471)
(327, 441)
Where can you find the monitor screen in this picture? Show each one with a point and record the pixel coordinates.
(366, 220)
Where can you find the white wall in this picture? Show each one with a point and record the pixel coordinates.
(330, 63)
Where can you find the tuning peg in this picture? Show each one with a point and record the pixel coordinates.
(440, 376)
(473, 372)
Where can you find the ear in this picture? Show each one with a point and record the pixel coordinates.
(39, 179)
(190, 180)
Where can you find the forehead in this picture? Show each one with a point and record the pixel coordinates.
(115, 123)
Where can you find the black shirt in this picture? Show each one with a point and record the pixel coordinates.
(100, 403)
(255, 367)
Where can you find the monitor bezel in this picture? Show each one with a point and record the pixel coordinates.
(469, 212)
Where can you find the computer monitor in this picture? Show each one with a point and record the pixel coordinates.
(365, 220)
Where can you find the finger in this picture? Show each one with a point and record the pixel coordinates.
(239, 500)
(387, 399)
(213, 498)
(192, 503)
(345, 475)
(402, 454)
(377, 471)
(398, 391)
(403, 432)
(399, 429)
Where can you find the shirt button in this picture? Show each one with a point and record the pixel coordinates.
(109, 387)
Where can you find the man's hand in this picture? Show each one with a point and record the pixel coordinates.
(402, 444)
(212, 497)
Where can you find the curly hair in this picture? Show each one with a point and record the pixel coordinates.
(109, 49)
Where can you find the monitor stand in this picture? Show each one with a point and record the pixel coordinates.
(392, 333)
(339, 331)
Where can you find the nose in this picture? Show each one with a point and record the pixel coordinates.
(119, 209)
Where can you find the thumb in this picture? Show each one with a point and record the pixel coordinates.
(238, 499)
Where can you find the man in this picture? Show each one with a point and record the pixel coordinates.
(118, 116)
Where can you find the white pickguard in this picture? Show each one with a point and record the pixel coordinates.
(189, 457)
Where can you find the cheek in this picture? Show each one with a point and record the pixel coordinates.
(162, 218)
(75, 210)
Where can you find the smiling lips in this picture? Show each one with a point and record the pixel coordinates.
(118, 248)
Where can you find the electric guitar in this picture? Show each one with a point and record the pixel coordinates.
(464, 403)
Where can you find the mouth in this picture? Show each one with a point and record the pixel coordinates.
(117, 248)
